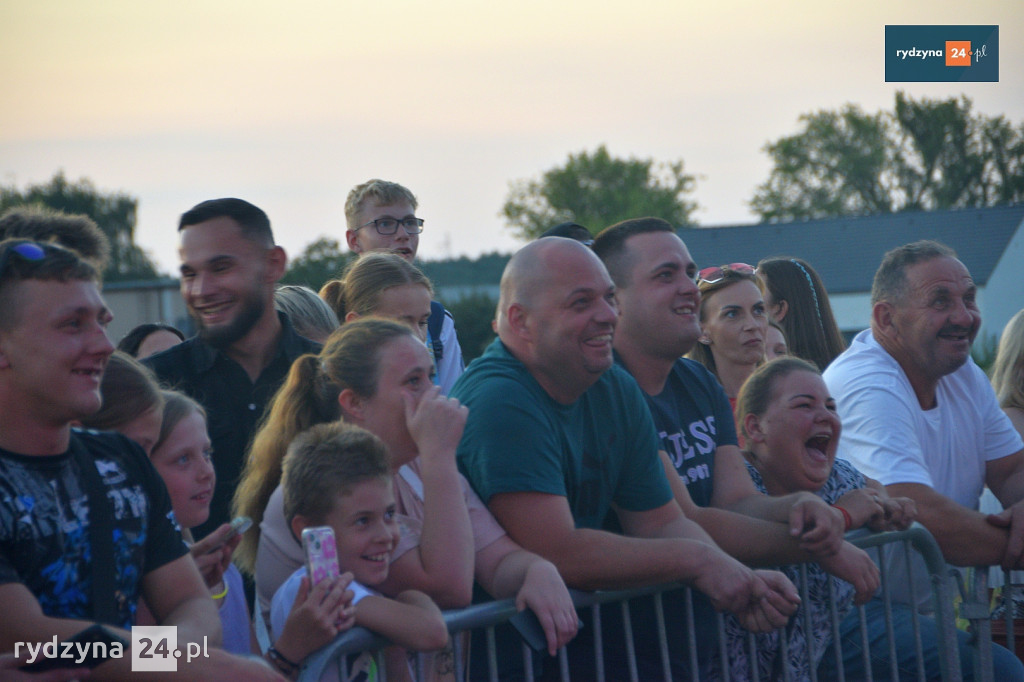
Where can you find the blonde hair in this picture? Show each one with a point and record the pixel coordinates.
(308, 396)
(1008, 368)
(365, 279)
(380, 192)
(311, 316)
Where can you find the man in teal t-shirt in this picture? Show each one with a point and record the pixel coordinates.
(556, 438)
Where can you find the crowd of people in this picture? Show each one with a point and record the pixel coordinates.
(638, 421)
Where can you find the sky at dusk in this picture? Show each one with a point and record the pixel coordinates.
(289, 105)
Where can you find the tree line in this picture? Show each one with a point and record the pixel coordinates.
(923, 154)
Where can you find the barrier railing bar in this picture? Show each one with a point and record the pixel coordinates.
(659, 615)
(491, 613)
(627, 628)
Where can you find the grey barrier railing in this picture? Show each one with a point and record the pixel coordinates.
(483, 618)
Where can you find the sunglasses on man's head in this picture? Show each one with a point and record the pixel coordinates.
(26, 250)
(717, 273)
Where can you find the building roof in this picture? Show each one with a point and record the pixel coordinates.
(847, 251)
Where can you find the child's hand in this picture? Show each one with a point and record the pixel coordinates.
(435, 422)
(317, 616)
(865, 508)
(545, 593)
(213, 555)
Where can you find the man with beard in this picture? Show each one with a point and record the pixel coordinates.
(244, 348)
(86, 524)
(921, 417)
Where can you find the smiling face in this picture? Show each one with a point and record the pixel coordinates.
(569, 321)
(365, 529)
(404, 368)
(366, 238)
(734, 323)
(794, 442)
(54, 350)
(227, 280)
(659, 301)
(183, 462)
(930, 332)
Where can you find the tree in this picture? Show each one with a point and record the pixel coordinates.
(473, 315)
(597, 190)
(319, 262)
(113, 212)
(924, 155)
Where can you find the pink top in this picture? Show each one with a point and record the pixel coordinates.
(409, 496)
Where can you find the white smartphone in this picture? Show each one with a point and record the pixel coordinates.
(321, 553)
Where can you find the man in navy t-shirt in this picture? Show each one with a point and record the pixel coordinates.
(659, 305)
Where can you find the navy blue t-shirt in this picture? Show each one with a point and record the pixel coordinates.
(693, 418)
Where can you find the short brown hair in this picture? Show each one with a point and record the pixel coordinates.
(56, 264)
(326, 461)
(890, 282)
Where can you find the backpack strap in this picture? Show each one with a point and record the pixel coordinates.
(101, 538)
(434, 324)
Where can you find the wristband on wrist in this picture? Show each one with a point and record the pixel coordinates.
(285, 665)
(221, 595)
(846, 517)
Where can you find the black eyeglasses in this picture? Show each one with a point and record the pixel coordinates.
(26, 250)
(387, 226)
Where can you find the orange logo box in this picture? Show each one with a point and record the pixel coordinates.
(958, 53)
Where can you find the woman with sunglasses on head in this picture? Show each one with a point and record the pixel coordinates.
(733, 322)
(796, 298)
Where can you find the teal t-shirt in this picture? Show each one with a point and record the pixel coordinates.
(600, 450)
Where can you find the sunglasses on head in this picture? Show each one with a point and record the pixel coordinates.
(26, 250)
(717, 273)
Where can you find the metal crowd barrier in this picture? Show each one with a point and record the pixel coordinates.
(482, 618)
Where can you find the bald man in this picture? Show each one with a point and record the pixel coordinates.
(557, 438)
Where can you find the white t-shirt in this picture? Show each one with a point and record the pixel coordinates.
(279, 553)
(450, 367)
(890, 438)
(281, 604)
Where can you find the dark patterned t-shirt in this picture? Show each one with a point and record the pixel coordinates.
(45, 516)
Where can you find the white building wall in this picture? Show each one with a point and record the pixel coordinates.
(1003, 294)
